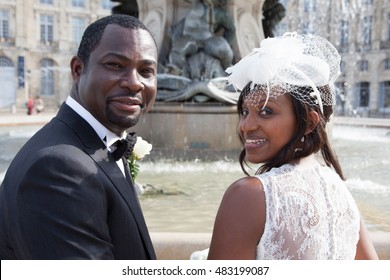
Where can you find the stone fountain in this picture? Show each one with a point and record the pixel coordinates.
(194, 115)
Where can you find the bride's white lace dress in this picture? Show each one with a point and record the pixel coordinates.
(310, 214)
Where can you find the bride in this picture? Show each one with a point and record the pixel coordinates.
(297, 206)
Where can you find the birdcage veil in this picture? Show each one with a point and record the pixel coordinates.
(294, 64)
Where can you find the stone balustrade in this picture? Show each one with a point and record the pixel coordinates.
(180, 246)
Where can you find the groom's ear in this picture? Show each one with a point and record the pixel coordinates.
(76, 67)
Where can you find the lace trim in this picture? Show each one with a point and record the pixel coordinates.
(310, 214)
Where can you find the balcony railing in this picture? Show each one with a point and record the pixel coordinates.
(385, 44)
(7, 41)
(53, 45)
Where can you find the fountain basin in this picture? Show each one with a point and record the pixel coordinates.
(191, 130)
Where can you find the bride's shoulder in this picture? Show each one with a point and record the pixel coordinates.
(240, 221)
(250, 183)
(245, 189)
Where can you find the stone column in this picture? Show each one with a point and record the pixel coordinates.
(154, 15)
(247, 16)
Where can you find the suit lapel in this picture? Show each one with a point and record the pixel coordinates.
(99, 153)
(124, 188)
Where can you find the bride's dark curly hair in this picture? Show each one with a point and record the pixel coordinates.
(316, 140)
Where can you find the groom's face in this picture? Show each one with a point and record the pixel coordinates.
(120, 81)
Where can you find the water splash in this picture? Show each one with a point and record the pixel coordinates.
(361, 134)
(367, 186)
(196, 166)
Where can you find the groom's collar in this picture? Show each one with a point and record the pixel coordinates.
(104, 134)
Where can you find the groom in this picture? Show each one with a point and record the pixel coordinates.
(66, 194)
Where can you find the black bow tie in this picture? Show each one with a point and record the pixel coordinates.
(124, 147)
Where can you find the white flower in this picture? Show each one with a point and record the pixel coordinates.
(141, 148)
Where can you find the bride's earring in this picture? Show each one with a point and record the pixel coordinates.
(297, 150)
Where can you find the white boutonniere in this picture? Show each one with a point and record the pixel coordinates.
(141, 149)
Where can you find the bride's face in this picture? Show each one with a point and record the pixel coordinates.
(266, 126)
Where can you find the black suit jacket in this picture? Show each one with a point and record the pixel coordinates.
(64, 197)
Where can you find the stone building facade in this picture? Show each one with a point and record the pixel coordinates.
(38, 38)
(360, 30)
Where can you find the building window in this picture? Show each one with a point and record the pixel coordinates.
(363, 65)
(7, 81)
(367, 29)
(46, 27)
(78, 27)
(78, 3)
(363, 94)
(367, 2)
(388, 27)
(48, 2)
(386, 63)
(107, 4)
(309, 6)
(4, 24)
(6, 62)
(342, 68)
(308, 27)
(344, 34)
(341, 97)
(344, 6)
(385, 94)
(47, 77)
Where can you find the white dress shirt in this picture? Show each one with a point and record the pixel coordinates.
(107, 137)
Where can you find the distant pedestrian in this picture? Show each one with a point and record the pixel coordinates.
(39, 104)
(30, 105)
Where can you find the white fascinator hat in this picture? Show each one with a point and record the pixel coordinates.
(297, 64)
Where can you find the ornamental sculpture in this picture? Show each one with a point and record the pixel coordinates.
(200, 52)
